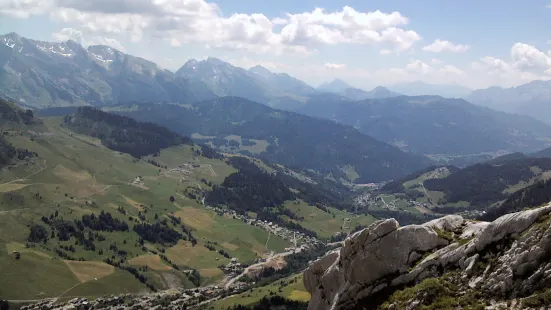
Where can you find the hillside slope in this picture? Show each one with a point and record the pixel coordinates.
(484, 184)
(77, 211)
(476, 189)
(13, 118)
(123, 134)
(543, 153)
(532, 196)
(291, 139)
(79, 216)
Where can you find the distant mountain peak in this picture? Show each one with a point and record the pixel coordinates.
(75, 46)
(335, 86)
(215, 61)
(339, 82)
(13, 35)
(190, 64)
(105, 49)
(259, 68)
(261, 71)
(530, 99)
(11, 39)
(104, 54)
(420, 88)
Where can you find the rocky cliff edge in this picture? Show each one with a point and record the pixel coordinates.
(478, 264)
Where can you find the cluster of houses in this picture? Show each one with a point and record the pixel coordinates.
(174, 299)
(185, 168)
(233, 268)
(138, 181)
(296, 237)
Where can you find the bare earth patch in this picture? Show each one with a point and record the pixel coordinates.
(423, 210)
(171, 280)
(211, 272)
(140, 186)
(18, 247)
(81, 181)
(277, 263)
(299, 296)
(5, 188)
(152, 261)
(230, 246)
(133, 203)
(70, 175)
(183, 252)
(89, 271)
(195, 218)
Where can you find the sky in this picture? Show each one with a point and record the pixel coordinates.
(367, 43)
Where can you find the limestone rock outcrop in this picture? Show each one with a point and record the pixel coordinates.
(507, 258)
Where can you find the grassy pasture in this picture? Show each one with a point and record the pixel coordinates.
(294, 290)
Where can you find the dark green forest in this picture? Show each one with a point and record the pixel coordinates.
(530, 197)
(483, 184)
(12, 116)
(122, 133)
(396, 185)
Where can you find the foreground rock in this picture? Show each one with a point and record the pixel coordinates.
(507, 259)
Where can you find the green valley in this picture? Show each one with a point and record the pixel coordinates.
(80, 219)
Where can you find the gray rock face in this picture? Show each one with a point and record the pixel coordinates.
(449, 223)
(385, 256)
(381, 250)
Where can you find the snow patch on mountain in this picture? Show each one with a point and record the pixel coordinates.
(9, 42)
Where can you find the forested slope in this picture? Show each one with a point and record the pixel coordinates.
(294, 140)
(122, 133)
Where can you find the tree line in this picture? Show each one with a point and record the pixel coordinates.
(533, 196)
(484, 184)
(251, 189)
(122, 133)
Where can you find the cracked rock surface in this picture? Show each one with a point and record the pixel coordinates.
(507, 258)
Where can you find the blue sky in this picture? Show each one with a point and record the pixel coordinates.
(482, 43)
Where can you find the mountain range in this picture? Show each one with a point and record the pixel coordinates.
(532, 99)
(234, 124)
(434, 125)
(340, 87)
(418, 88)
(45, 74)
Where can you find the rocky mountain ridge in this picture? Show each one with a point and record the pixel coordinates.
(434, 125)
(340, 87)
(49, 74)
(481, 265)
(532, 99)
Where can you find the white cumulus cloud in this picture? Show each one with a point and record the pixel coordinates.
(200, 21)
(77, 36)
(528, 57)
(440, 46)
(334, 66)
(526, 63)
